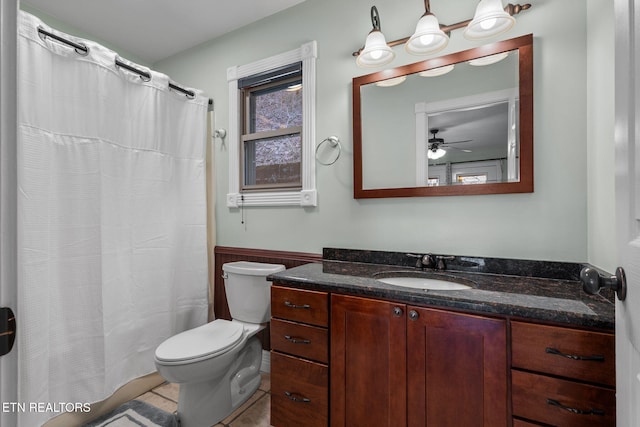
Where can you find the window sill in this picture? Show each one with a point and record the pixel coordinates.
(273, 198)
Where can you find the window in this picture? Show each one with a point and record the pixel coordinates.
(472, 179)
(272, 130)
(272, 133)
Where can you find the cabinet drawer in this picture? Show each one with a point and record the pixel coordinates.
(299, 392)
(548, 349)
(539, 398)
(300, 305)
(301, 340)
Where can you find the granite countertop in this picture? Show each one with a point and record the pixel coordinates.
(545, 299)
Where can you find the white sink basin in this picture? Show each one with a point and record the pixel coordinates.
(424, 283)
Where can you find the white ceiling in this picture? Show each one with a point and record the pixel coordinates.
(156, 29)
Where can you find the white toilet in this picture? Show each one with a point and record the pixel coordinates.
(218, 364)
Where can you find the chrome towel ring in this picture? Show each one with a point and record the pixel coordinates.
(333, 142)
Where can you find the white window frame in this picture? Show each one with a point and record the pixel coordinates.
(307, 196)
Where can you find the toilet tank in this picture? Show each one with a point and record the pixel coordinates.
(248, 290)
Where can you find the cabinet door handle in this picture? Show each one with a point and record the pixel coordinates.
(291, 305)
(413, 315)
(593, 358)
(553, 402)
(296, 340)
(296, 397)
(397, 311)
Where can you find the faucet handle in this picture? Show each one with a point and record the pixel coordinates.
(419, 259)
(440, 260)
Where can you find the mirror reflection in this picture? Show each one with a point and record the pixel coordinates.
(424, 126)
(449, 125)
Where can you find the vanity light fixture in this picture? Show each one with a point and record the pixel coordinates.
(430, 36)
(490, 20)
(376, 51)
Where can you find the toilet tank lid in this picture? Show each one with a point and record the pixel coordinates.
(252, 268)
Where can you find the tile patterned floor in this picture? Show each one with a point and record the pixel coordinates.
(255, 412)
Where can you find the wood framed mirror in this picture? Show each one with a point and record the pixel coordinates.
(420, 132)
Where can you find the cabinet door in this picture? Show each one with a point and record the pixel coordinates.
(368, 337)
(457, 369)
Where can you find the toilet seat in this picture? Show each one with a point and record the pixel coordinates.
(205, 341)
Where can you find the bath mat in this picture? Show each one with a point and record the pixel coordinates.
(135, 414)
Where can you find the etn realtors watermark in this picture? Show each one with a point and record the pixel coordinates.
(56, 407)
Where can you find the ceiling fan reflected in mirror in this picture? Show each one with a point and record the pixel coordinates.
(436, 145)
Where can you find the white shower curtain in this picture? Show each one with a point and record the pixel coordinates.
(112, 250)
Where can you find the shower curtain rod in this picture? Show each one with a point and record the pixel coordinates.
(83, 50)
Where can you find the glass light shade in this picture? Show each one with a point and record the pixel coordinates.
(434, 155)
(376, 51)
(488, 60)
(428, 37)
(490, 20)
(435, 72)
(391, 82)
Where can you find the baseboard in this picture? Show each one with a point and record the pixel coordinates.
(266, 362)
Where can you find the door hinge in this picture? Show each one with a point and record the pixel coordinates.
(7, 330)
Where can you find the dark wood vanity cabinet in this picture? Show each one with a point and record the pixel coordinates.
(299, 358)
(350, 361)
(395, 364)
(561, 376)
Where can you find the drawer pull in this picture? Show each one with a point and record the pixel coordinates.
(296, 340)
(296, 397)
(553, 402)
(594, 358)
(290, 305)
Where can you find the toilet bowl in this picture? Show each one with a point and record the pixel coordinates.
(218, 364)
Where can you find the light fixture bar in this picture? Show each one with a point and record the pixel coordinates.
(511, 9)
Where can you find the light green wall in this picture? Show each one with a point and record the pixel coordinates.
(565, 219)
(600, 130)
(549, 224)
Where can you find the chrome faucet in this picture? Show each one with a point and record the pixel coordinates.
(431, 261)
